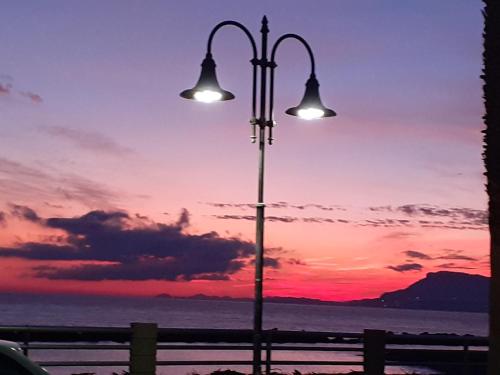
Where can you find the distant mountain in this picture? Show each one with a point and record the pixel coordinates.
(447, 291)
(204, 297)
(450, 291)
(293, 300)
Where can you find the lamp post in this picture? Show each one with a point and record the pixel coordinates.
(208, 90)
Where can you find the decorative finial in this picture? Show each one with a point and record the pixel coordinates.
(264, 28)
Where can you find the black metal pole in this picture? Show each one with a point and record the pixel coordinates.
(262, 122)
(259, 237)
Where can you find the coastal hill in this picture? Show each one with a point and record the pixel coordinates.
(450, 291)
(444, 290)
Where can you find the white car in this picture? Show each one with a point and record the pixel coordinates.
(14, 362)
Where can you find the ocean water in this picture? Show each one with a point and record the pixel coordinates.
(182, 313)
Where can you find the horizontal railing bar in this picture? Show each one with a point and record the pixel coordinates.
(204, 363)
(248, 362)
(318, 363)
(433, 363)
(242, 363)
(315, 348)
(207, 331)
(82, 363)
(75, 346)
(233, 347)
(194, 363)
(123, 334)
(187, 347)
(224, 330)
(65, 328)
(390, 336)
(248, 347)
(433, 351)
(437, 347)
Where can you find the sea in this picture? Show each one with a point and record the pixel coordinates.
(56, 310)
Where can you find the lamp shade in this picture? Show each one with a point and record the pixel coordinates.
(311, 107)
(207, 89)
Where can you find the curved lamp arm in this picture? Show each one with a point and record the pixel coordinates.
(254, 60)
(300, 39)
(273, 65)
(238, 25)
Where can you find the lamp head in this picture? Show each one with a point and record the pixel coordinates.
(311, 107)
(207, 89)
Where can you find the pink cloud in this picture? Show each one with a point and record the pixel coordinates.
(35, 98)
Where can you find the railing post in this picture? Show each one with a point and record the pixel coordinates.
(143, 349)
(268, 353)
(465, 370)
(374, 352)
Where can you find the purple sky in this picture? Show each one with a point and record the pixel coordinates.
(90, 118)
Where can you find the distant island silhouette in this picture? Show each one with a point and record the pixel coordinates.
(442, 291)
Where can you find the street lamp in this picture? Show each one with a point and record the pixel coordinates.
(208, 90)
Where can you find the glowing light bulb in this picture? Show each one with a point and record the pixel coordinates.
(310, 113)
(207, 96)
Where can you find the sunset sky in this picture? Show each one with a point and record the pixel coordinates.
(110, 183)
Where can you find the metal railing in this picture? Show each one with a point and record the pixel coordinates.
(372, 350)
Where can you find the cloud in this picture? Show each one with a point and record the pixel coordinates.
(431, 216)
(455, 266)
(183, 221)
(21, 183)
(417, 254)
(296, 262)
(283, 219)
(235, 217)
(13, 168)
(35, 98)
(450, 254)
(461, 215)
(272, 262)
(139, 270)
(52, 205)
(460, 226)
(231, 205)
(23, 212)
(398, 235)
(406, 267)
(5, 89)
(320, 207)
(122, 248)
(385, 223)
(91, 141)
(423, 216)
(319, 220)
(277, 205)
(456, 255)
(3, 219)
(380, 208)
(87, 192)
(269, 262)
